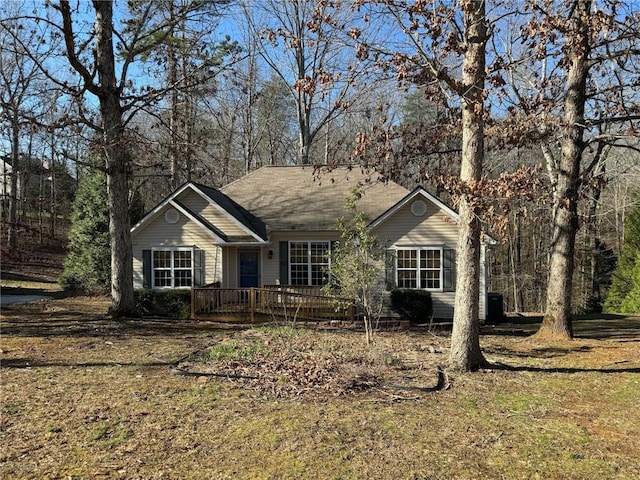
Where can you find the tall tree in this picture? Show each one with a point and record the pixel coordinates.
(20, 98)
(557, 316)
(103, 75)
(114, 145)
(303, 44)
(465, 353)
(187, 61)
(447, 51)
(87, 265)
(582, 56)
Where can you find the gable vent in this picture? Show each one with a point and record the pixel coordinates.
(419, 208)
(172, 215)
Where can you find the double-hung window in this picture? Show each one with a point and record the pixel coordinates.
(427, 268)
(174, 267)
(308, 262)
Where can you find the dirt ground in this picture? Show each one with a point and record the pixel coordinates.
(87, 397)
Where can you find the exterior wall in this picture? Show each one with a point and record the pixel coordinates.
(433, 229)
(183, 233)
(199, 205)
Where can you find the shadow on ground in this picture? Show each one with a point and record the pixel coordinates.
(67, 324)
(600, 327)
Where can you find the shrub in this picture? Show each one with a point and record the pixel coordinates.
(87, 266)
(165, 303)
(414, 305)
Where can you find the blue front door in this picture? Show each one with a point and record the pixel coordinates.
(249, 268)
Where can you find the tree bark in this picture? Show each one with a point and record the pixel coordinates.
(15, 172)
(465, 353)
(557, 322)
(117, 164)
(174, 133)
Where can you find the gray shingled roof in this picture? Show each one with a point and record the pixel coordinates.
(299, 198)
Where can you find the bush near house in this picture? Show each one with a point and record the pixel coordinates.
(414, 305)
(165, 303)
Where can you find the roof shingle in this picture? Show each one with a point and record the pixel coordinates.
(302, 198)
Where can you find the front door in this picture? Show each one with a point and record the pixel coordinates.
(249, 268)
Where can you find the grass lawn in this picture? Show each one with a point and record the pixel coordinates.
(85, 397)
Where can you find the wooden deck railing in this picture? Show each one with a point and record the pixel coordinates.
(275, 302)
(304, 289)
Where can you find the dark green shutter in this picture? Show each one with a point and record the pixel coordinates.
(390, 268)
(333, 246)
(146, 268)
(284, 263)
(198, 267)
(449, 269)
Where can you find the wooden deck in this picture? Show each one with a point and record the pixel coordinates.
(282, 303)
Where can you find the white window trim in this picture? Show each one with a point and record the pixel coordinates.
(418, 269)
(309, 264)
(172, 268)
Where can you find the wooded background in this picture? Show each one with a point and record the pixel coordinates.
(209, 91)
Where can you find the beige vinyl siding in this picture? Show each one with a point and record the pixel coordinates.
(223, 222)
(433, 229)
(443, 304)
(184, 233)
(230, 268)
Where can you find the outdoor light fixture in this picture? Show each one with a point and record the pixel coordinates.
(270, 254)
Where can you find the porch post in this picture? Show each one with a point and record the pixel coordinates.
(193, 300)
(252, 303)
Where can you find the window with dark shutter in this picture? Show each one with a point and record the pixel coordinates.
(390, 268)
(146, 268)
(284, 263)
(449, 269)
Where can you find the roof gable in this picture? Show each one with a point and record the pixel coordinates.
(252, 224)
(253, 227)
(417, 192)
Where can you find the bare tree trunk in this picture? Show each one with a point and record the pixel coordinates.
(15, 172)
(173, 119)
(304, 136)
(465, 353)
(117, 165)
(557, 319)
(52, 193)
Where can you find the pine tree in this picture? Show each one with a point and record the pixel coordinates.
(88, 264)
(631, 301)
(624, 295)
